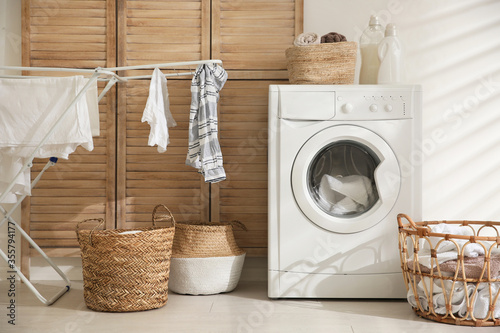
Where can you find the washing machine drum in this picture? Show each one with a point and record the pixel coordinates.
(346, 179)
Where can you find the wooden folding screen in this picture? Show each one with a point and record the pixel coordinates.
(123, 178)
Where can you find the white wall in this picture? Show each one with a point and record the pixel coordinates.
(453, 51)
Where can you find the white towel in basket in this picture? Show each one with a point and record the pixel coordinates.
(447, 250)
(480, 303)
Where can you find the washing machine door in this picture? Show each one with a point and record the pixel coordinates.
(346, 179)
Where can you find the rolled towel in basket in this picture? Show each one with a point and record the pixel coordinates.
(472, 267)
(447, 250)
(458, 299)
(480, 298)
(333, 37)
(307, 38)
(471, 250)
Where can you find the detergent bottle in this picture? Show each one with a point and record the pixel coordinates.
(390, 53)
(368, 45)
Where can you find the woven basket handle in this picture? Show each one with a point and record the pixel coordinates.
(238, 224)
(157, 216)
(421, 231)
(99, 224)
(400, 223)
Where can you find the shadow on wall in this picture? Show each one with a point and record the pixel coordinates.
(453, 52)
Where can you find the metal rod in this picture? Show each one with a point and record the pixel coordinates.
(170, 64)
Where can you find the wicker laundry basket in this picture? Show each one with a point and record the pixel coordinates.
(127, 270)
(327, 63)
(452, 278)
(205, 258)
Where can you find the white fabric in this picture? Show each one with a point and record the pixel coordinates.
(480, 305)
(447, 250)
(157, 112)
(28, 110)
(343, 195)
(93, 108)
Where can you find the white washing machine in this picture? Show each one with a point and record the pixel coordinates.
(344, 160)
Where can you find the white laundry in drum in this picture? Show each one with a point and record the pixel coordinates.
(345, 195)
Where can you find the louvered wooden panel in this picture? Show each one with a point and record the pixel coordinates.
(77, 34)
(147, 178)
(158, 32)
(243, 138)
(68, 33)
(163, 31)
(254, 34)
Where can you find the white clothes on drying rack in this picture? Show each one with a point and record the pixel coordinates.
(157, 112)
(28, 110)
(204, 151)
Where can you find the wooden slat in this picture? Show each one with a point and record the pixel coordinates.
(164, 5)
(66, 13)
(54, 6)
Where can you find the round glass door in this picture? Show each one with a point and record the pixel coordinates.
(341, 179)
(345, 179)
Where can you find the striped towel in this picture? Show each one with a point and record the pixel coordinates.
(204, 151)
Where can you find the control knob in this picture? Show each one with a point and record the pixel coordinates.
(347, 108)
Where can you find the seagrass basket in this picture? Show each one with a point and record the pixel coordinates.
(126, 269)
(452, 270)
(327, 63)
(205, 258)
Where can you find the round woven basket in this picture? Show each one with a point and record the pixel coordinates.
(327, 63)
(202, 239)
(126, 270)
(452, 278)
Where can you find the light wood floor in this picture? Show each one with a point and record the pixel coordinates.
(246, 309)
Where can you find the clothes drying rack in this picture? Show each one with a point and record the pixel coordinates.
(98, 74)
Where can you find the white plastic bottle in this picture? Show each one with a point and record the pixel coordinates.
(368, 45)
(390, 53)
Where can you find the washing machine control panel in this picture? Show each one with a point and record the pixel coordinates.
(372, 106)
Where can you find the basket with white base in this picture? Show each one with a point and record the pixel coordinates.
(205, 258)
